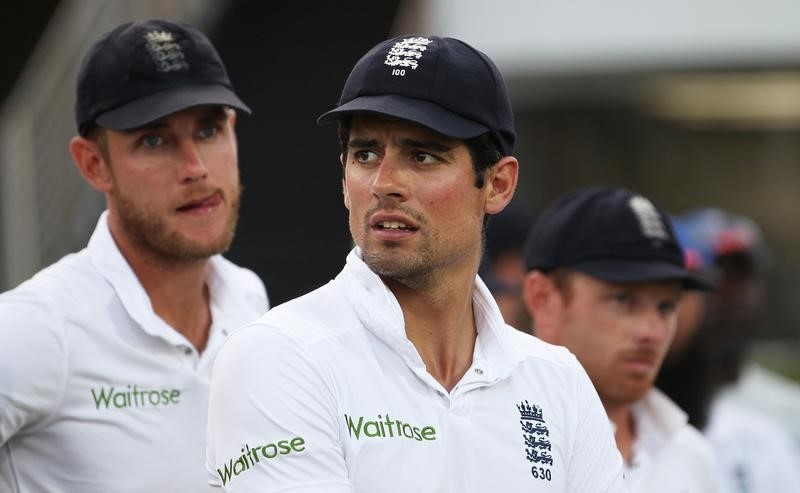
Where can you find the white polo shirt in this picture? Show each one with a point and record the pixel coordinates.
(327, 394)
(767, 461)
(99, 394)
(669, 455)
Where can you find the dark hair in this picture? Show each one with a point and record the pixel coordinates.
(562, 280)
(97, 134)
(482, 149)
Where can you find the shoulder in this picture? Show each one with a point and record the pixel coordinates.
(57, 277)
(60, 287)
(725, 427)
(297, 343)
(235, 271)
(535, 350)
(552, 369)
(242, 276)
(686, 442)
(693, 440)
(691, 451)
(304, 322)
(242, 280)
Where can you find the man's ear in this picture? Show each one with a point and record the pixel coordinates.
(545, 304)
(346, 195)
(233, 117)
(91, 163)
(344, 183)
(501, 183)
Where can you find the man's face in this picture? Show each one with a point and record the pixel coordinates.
(414, 209)
(619, 332)
(175, 191)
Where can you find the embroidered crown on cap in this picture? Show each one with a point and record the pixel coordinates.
(167, 54)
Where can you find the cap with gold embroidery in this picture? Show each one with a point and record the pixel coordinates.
(145, 70)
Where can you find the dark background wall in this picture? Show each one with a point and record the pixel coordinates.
(19, 31)
(288, 61)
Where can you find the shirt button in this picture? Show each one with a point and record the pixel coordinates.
(478, 371)
(188, 351)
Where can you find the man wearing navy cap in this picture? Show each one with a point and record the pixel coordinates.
(400, 375)
(106, 355)
(605, 277)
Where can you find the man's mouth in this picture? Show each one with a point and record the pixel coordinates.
(394, 225)
(207, 202)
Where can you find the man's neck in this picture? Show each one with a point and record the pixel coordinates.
(178, 291)
(439, 322)
(181, 298)
(625, 432)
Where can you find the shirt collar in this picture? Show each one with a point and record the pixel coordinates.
(657, 420)
(656, 411)
(380, 312)
(112, 266)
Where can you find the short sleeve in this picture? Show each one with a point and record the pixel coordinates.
(272, 418)
(33, 362)
(596, 464)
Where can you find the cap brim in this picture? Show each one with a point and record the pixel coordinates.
(155, 106)
(425, 113)
(628, 271)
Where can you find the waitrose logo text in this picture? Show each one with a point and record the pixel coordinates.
(387, 428)
(133, 396)
(250, 456)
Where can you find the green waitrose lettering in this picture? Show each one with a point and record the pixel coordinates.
(111, 397)
(387, 428)
(250, 456)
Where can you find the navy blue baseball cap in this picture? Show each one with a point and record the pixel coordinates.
(145, 70)
(441, 83)
(612, 234)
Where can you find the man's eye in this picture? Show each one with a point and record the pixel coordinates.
(622, 298)
(208, 132)
(424, 158)
(152, 141)
(667, 307)
(365, 156)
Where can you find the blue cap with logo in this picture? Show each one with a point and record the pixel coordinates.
(145, 70)
(440, 83)
(613, 234)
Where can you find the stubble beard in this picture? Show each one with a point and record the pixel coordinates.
(415, 270)
(418, 269)
(152, 234)
(622, 392)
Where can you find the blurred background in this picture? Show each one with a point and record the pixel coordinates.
(694, 103)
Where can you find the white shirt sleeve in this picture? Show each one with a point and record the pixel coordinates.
(272, 422)
(33, 362)
(596, 464)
